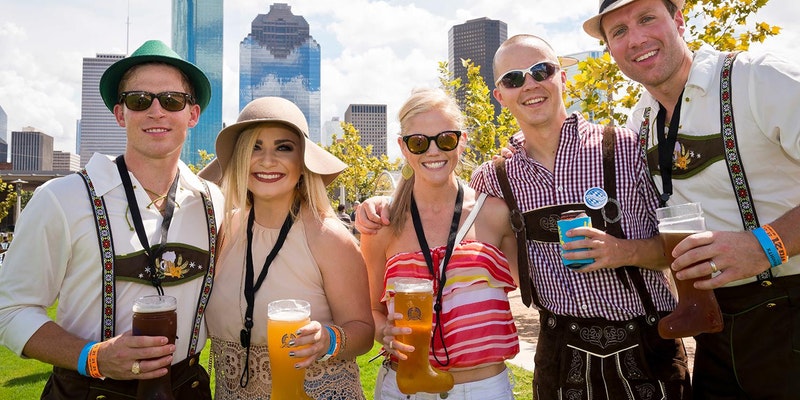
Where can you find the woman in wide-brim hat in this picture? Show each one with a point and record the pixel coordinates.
(274, 181)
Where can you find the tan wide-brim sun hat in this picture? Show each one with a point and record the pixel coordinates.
(276, 110)
(592, 25)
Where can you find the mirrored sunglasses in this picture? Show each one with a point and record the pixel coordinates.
(516, 77)
(419, 143)
(170, 101)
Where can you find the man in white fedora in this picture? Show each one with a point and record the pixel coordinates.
(723, 130)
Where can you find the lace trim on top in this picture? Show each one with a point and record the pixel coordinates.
(334, 379)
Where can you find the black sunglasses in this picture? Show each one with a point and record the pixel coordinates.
(516, 77)
(445, 140)
(170, 101)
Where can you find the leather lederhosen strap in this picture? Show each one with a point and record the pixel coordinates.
(612, 215)
(541, 222)
(189, 381)
(526, 288)
(530, 225)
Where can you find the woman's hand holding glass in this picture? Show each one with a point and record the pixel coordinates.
(390, 342)
(311, 344)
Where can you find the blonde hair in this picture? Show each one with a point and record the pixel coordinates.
(421, 101)
(310, 189)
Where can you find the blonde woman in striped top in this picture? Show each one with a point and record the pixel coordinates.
(472, 259)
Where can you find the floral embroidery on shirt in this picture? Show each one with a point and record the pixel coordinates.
(683, 157)
(172, 265)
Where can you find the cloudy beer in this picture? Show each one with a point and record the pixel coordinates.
(155, 316)
(284, 318)
(414, 299)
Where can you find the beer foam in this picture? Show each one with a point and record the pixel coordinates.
(413, 285)
(154, 304)
(289, 315)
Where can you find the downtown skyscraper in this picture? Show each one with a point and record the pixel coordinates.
(197, 37)
(370, 121)
(280, 58)
(477, 40)
(98, 130)
(3, 136)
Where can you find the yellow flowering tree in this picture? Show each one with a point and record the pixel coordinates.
(360, 177)
(485, 132)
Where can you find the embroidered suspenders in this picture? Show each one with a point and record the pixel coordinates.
(106, 244)
(735, 168)
(736, 171)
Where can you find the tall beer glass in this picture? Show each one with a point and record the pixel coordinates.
(284, 318)
(414, 299)
(155, 316)
(697, 311)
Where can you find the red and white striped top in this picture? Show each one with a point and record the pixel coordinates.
(578, 167)
(476, 316)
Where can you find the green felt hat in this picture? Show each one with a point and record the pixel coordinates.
(153, 51)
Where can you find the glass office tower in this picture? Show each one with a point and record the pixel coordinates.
(477, 39)
(280, 58)
(197, 37)
(98, 130)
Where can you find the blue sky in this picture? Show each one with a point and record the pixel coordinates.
(372, 51)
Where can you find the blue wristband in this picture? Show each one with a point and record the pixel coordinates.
(768, 246)
(332, 335)
(332, 346)
(82, 360)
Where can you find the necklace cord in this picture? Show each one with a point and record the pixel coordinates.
(426, 252)
(250, 289)
(152, 252)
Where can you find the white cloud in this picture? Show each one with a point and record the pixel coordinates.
(372, 51)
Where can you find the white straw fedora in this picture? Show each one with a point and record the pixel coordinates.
(592, 25)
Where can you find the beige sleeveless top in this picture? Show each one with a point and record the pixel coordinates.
(293, 274)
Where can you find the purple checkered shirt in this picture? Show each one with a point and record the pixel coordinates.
(578, 167)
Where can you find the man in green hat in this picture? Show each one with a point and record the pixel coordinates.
(134, 225)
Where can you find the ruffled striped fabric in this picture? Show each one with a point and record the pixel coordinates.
(476, 316)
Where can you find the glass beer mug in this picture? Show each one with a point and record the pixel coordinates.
(155, 316)
(284, 318)
(697, 311)
(414, 299)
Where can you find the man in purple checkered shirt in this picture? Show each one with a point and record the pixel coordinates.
(598, 337)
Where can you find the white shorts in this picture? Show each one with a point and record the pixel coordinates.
(497, 387)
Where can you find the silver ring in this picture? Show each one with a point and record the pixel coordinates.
(714, 268)
(135, 368)
(391, 345)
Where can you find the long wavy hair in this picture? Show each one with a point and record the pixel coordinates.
(420, 101)
(309, 191)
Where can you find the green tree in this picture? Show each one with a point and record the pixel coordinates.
(359, 178)
(485, 132)
(9, 194)
(205, 158)
(604, 93)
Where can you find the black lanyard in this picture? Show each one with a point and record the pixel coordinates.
(666, 146)
(426, 252)
(152, 252)
(250, 289)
